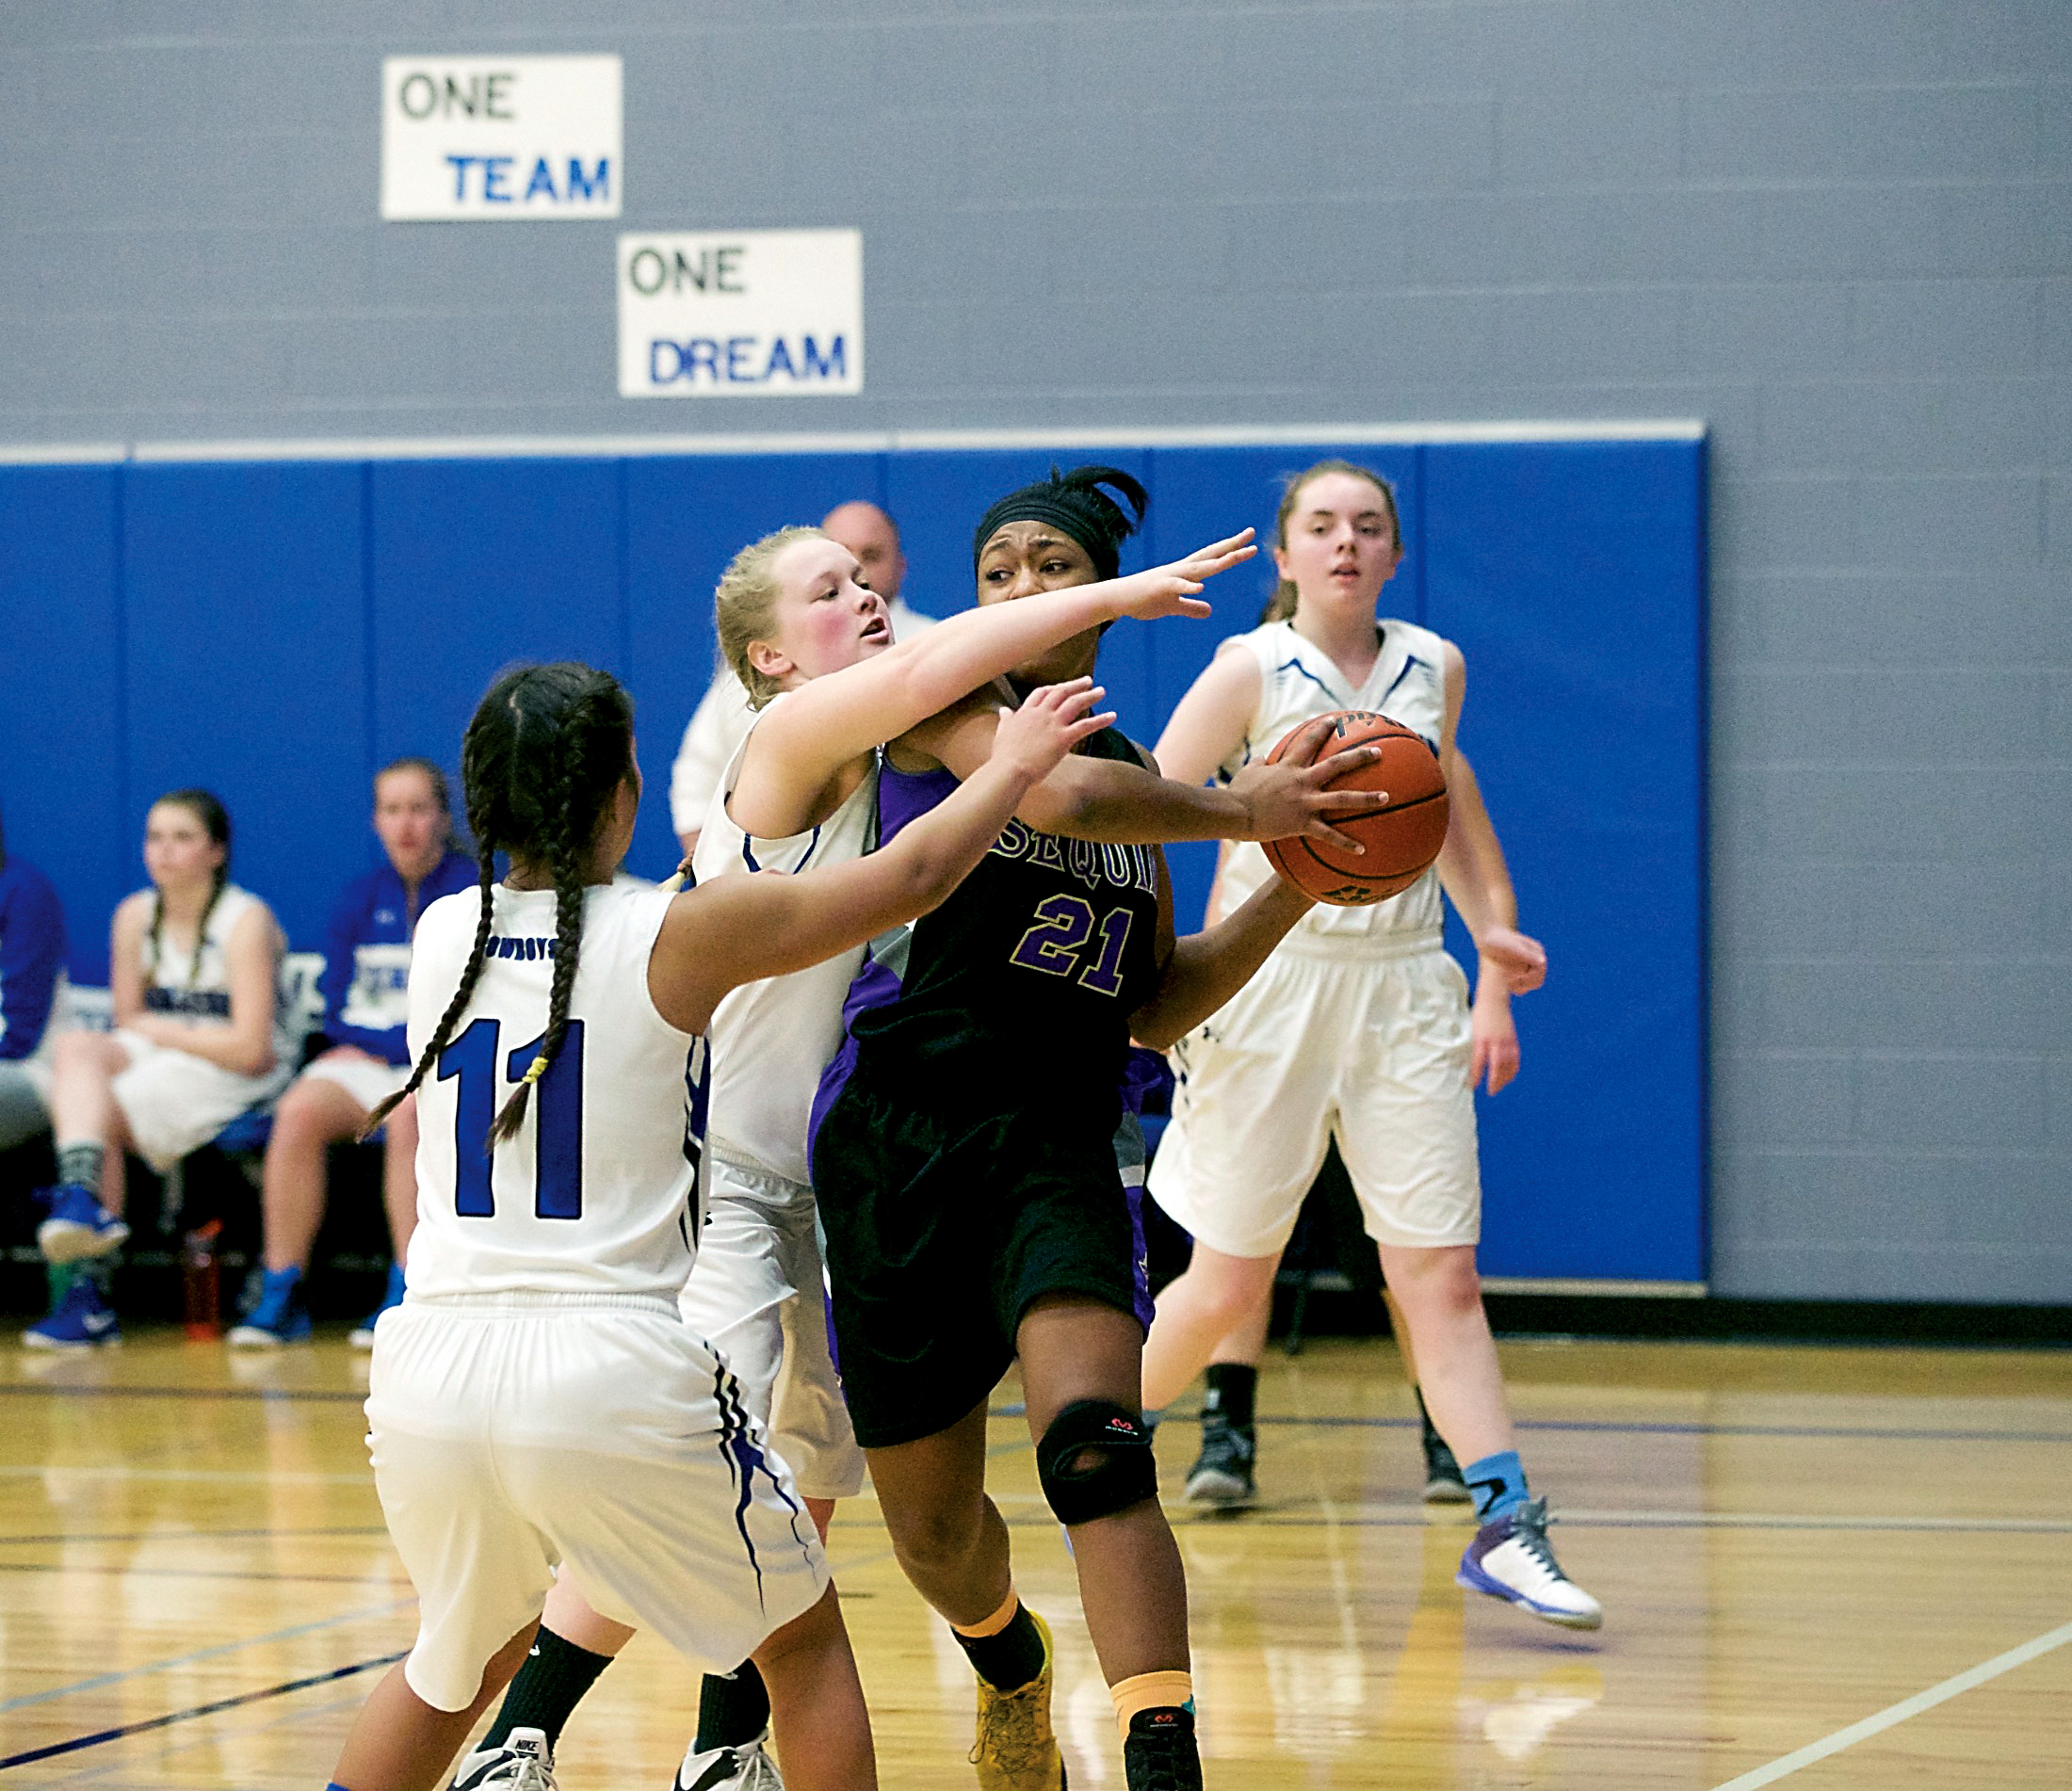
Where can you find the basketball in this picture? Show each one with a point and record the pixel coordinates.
(1401, 841)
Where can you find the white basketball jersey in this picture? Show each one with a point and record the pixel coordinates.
(196, 984)
(770, 1039)
(595, 1194)
(1298, 682)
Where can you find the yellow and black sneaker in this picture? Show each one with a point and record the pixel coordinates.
(1016, 1748)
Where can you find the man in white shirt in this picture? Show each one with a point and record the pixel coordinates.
(722, 716)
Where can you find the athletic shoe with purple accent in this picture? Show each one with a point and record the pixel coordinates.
(81, 1320)
(77, 1226)
(1509, 1558)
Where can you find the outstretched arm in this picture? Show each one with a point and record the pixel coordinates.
(829, 720)
(1133, 805)
(741, 930)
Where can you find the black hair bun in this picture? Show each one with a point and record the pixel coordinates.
(1076, 503)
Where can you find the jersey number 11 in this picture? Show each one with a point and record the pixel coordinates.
(557, 1117)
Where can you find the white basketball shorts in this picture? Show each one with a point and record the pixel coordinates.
(512, 1433)
(757, 1294)
(367, 1080)
(174, 1102)
(1368, 1042)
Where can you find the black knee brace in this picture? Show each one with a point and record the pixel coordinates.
(1120, 1473)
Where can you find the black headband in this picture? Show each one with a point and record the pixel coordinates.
(1074, 504)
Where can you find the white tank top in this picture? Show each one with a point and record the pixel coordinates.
(596, 1192)
(1298, 682)
(770, 1039)
(196, 984)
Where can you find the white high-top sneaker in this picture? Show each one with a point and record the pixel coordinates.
(1509, 1558)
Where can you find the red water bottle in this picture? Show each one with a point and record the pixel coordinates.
(202, 1282)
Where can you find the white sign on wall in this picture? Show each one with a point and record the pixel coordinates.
(740, 312)
(501, 137)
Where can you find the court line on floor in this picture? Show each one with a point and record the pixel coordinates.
(58, 1537)
(223, 1476)
(124, 1570)
(105, 1735)
(1588, 1426)
(1896, 1714)
(1675, 1428)
(1414, 1517)
(101, 1680)
(315, 1396)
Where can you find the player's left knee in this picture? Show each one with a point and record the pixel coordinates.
(1094, 1459)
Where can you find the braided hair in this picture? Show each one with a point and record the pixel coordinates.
(205, 807)
(539, 762)
(1075, 503)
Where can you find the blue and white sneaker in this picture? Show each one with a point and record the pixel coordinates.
(1509, 1558)
(79, 1321)
(280, 1317)
(363, 1335)
(77, 1226)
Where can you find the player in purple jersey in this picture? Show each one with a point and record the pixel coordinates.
(964, 1162)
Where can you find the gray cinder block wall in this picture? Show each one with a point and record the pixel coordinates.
(1839, 230)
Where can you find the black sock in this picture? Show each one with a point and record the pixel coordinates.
(550, 1683)
(1009, 1658)
(81, 1163)
(733, 1708)
(1431, 1431)
(1231, 1387)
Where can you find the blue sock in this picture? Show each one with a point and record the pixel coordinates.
(393, 1296)
(1498, 1482)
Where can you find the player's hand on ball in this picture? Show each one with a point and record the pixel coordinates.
(1521, 962)
(1286, 796)
(1053, 719)
(1174, 588)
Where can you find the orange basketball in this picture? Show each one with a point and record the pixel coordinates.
(1402, 840)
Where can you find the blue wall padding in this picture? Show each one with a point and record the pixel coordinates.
(1568, 574)
(63, 772)
(275, 631)
(246, 667)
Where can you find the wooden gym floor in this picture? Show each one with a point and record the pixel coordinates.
(1797, 1548)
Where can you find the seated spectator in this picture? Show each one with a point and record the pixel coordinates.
(720, 723)
(367, 973)
(199, 1037)
(32, 957)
